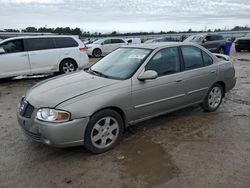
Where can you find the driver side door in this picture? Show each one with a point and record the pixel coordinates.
(153, 97)
(15, 60)
(106, 46)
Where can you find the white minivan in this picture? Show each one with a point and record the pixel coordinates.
(41, 54)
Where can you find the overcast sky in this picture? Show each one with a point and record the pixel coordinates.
(125, 15)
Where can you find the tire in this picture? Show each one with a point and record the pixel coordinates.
(104, 131)
(213, 98)
(221, 50)
(97, 53)
(67, 66)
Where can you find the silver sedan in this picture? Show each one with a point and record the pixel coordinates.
(94, 106)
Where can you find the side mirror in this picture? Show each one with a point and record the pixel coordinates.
(148, 75)
(102, 43)
(2, 51)
(204, 41)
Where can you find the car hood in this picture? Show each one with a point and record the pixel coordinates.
(50, 93)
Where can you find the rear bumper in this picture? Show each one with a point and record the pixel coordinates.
(230, 84)
(55, 134)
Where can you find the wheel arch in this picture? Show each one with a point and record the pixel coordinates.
(223, 85)
(119, 111)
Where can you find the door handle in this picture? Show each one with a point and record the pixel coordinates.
(213, 71)
(179, 80)
(24, 55)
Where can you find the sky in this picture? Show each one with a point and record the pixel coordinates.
(125, 15)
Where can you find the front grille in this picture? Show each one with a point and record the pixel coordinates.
(26, 109)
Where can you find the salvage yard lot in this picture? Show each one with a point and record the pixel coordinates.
(186, 148)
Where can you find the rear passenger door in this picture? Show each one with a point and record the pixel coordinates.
(43, 55)
(199, 75)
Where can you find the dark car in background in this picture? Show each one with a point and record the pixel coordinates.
(242, 43)
(214, 43)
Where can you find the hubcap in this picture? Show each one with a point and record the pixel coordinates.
(214, 97)
(97, 53)
(105, 132)
(68, 67)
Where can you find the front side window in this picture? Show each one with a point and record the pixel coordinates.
(13, 46)
(40, 44)
(117, 41)
(192, 57)
(120, 64)
(165, 62)
(108, 41)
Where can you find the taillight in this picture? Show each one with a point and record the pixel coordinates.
(83, 49)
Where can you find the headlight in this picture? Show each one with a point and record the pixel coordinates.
(52, 115)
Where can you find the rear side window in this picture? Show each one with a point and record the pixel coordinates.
(207, 59)
(40, 44)
(108, 41)
(192, 57)
(13, 46)
(65, 42)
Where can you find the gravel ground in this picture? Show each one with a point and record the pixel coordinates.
(187, 148)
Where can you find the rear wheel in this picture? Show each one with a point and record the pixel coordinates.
(97, 52)
(67, 66)
(104, 131)
(213, 98)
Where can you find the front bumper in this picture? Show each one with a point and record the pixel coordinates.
(64, 134)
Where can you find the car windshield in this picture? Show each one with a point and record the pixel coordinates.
(120, 64)
(98, 41)
(194, 38)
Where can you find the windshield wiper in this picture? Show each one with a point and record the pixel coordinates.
(97, 73)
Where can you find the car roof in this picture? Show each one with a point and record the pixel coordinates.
(38, 36)
(154, 46)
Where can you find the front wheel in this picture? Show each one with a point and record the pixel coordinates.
(213, 98)
(104, 131)
(97, 53)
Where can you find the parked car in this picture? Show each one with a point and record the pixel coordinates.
(242, 43)
(94, 106)
(213, 42)
(133, 40)
(102, 47)
(163, 39)
(41, 54)
(89, 41)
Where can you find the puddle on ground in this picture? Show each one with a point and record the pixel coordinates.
(146, 162)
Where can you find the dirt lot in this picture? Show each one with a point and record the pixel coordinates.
(188, 148)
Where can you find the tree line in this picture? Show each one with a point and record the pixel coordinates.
(79, 32)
